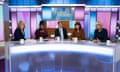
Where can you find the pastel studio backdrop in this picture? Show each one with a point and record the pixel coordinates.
(1, 22)
(87, 16)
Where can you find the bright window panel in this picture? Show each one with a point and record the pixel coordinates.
(72, 24)
(46, 13)
(63, 13)
(93, 16)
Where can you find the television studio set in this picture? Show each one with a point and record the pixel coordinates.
(59, 35)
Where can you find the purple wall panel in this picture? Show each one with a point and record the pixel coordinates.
(33, 23)
(87, 24)
(105, 19)
(79, 13)
(113, 24)
(119, 13)
(14, 21)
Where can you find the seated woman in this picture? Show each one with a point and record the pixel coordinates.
(100, 34)
(41, 31)
(19, 32)
(78, 32)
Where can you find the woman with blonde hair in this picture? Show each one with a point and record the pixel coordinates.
(100, 34)
(19, 32)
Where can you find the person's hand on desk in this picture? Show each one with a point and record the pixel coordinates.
(30, 40)
(96, 40)
(42, 31)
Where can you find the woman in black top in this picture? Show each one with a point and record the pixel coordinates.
(19, 32)
(100, 34)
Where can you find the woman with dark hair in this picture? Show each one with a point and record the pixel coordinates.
(19, 32)
(41, 31)
(78, 32)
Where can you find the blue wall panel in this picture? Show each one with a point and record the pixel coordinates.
(93, 16)
(46, 13)
(87, 23)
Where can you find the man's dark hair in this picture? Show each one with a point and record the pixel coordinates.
(42, 23)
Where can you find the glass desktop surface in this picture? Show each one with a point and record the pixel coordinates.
(65, 56)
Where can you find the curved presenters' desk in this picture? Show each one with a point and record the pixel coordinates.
(63, 56)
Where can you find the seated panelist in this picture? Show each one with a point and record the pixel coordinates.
(100, 34)
(41, 31)
(19, 31)
(78, 32)
(61, 32)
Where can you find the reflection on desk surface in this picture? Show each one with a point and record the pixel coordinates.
(2, 52)
(64, 56)
(61, 62)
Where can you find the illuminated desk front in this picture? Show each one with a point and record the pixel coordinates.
(62, 57)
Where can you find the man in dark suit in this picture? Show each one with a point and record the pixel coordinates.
(61, 32)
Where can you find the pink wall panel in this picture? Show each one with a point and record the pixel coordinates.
(14, 21)
(105, 19)
(113, 24)
(33, 26)
(79, 13)
(51, 24)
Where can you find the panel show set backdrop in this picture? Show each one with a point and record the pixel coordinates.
(1, 22)
(33, 11)
(87, 16)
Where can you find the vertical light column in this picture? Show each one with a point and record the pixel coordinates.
(113, 23)
(93, 16)
(13, 19)
(1, 24)
(87, 22)
(33, 20)
(24, 15)
(39, 16)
